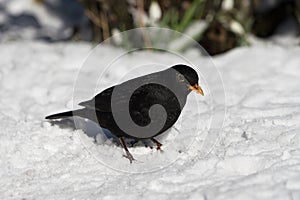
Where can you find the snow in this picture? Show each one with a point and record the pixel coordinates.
(257, 155)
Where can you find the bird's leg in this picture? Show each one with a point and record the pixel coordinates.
(128, 154)
(158, 144)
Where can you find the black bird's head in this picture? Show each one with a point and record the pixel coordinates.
(189, 77)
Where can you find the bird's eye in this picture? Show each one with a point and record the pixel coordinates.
(180, 78)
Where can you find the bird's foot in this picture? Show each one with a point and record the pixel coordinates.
(158, 147)
(158, 144)
(128, 154)
(129, 157)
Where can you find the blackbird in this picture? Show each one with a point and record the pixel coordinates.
(128, 109)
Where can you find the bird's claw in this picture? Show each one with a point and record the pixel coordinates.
(129, 157)
(158, 144)
(158, 147)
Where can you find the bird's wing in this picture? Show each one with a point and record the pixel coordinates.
(102, 101)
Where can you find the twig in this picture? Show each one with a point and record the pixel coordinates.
(104, 25)
(140, 5)
(94, 18)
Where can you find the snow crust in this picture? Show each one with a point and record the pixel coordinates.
(257, 155)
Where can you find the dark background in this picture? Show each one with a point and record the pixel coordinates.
(228, 23)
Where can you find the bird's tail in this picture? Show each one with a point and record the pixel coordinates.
(65, 114)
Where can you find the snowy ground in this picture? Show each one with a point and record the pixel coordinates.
(256, 157)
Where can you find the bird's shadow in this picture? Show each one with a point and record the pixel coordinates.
(92, 129)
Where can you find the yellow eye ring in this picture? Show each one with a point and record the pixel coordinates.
(180, 78)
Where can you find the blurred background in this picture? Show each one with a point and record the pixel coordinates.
(218, 25)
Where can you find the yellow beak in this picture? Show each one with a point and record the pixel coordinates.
(196, 88)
